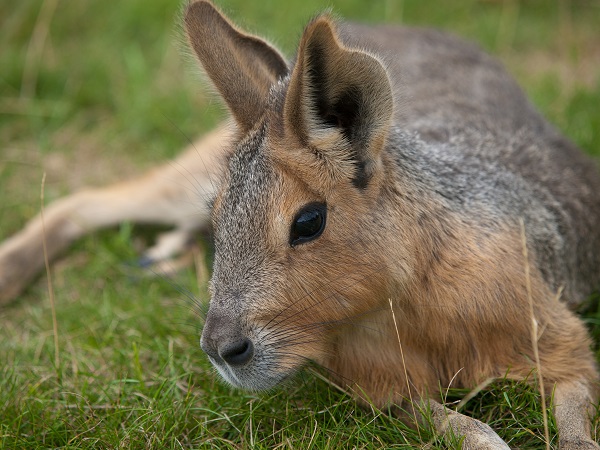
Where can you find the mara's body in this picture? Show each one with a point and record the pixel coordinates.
(396, 173)
(378, 196)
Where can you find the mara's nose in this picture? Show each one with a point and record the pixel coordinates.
(237, 353)
(223, 341)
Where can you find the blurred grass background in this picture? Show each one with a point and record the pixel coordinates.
(95, 91)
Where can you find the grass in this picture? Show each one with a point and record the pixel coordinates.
(107, 92)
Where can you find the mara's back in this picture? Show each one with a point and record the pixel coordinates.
(489, 150)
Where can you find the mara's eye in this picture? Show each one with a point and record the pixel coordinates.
(308, 223)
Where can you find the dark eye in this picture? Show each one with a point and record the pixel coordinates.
(308, 223)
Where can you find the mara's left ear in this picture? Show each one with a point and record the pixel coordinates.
(339, 98)
(242, 67)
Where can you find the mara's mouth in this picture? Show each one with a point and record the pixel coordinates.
(258, 374)
(258, 357)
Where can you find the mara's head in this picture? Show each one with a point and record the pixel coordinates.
(295, 218)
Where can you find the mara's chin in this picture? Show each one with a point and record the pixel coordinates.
(253, 376)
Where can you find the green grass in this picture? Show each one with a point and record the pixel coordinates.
(111, 92)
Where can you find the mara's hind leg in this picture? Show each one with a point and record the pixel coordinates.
(172, 194)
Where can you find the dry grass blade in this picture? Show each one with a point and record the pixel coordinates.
(49, 278)
(35, 48)
(534, 334)
(412, 404)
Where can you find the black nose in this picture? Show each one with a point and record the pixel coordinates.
(237, 353)
(224, 340)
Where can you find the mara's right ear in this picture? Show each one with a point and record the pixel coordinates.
(242, 67)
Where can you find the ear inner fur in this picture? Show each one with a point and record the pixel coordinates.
(242, 67)
(339, 100)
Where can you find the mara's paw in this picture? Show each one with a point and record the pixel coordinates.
(9, 289)
(157, 262)
(480, 436)
(472, 433)
(577, 444)
(467, 432)
(16, 269)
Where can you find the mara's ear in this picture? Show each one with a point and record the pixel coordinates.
(242, 67)
(339, 98)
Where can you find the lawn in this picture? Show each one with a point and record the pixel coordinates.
(97, 91)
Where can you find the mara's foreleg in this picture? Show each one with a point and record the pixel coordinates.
(573, 410)
(172, 194)
(475, 434)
